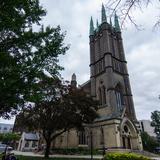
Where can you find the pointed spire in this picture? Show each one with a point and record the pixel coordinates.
(97, 26)
(73, 77)
(73, 80)
(104, 18)
(116, 23)
(97, 23)
(91, 27)
(111, 21)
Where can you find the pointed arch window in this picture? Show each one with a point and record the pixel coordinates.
(102, 95)
(119, 97)
(83, 138)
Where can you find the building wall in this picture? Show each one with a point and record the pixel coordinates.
(145, 126)
(6, 128)
(105, 134)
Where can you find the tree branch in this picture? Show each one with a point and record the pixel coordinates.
(57, 134)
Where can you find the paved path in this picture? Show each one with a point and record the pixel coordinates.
(57, 155)
(98, 157)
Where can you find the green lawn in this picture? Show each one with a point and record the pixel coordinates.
(40, 158)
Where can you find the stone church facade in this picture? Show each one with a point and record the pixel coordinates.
(109, 83)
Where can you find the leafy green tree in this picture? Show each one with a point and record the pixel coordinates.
(155, 116)
(9, 137)
(64, 108)
(26, 53)
(149, 143)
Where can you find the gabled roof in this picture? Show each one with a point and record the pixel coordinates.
(85, 84)
(31, 136)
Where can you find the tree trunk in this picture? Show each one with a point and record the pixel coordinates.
(47, 149)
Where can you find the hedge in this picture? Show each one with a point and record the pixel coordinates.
(124, 156)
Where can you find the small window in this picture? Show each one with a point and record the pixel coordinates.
(27, 144)
(126, 129)
(34, 144)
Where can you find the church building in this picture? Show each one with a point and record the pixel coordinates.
(109, 83)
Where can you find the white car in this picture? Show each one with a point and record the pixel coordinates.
(3, 147)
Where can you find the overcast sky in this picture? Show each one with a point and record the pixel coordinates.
(142, 48)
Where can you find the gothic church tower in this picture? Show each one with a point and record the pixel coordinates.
(110, 84)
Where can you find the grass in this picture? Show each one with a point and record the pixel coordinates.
(41, 158)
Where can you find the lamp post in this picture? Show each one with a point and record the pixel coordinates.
(91, 143)
(104, 152)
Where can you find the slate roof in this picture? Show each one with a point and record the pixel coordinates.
(31, 136)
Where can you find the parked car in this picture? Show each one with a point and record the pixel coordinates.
(3, 147)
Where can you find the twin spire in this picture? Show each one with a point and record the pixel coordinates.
(104, 19)
(103, 13)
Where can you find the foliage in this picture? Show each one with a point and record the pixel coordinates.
(26, 53)
(8, 137)
(124, 156)
(149, 143)
(75, 151)
(155, 116)
(64, 106)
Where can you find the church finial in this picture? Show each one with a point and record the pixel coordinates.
(91, 27)
(116, 23)
(104, 18)
(97, 25)
(111, 21)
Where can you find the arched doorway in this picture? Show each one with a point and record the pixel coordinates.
(129, 135)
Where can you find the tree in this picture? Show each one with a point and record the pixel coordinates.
(9, 137)
(62, 109)
(26, 53)
(155, 116)
(125, 9)
(149, 143)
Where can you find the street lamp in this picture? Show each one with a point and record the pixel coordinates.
(91, 143)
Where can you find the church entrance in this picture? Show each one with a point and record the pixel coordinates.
(129, 137)
(126, 142)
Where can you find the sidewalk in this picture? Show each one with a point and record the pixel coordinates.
(98, 157)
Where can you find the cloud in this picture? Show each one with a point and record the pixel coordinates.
(141, 47)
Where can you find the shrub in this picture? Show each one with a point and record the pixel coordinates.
(124, 156)
(73, 151)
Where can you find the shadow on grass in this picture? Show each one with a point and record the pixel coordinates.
(42, 158)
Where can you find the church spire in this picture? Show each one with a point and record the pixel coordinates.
(111, 21)
(73, 80)
(97, 25)
(104, 18)
(91, 27)
(116, 23)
